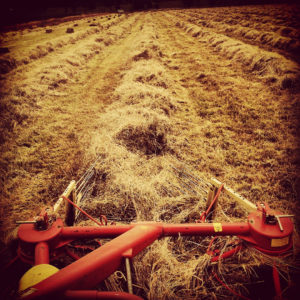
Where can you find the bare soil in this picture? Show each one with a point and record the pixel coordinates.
(213, 91)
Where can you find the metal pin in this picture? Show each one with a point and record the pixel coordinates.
(128, 273)
(26, 222)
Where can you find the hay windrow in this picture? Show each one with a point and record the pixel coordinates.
(255, 59)
(36, 46)
(149, 141)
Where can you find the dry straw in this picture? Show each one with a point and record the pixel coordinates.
(149, 131)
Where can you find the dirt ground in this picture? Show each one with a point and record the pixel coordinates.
(214, 91)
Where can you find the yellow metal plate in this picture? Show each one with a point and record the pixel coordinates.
(280, 242)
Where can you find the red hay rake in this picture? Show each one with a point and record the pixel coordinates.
(44, 238)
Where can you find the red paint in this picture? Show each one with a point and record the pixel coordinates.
(277, 283)
(265, 236)
(72, 254)
(94, 267)
(100, 295)
(129, 240)
(204, 229)
(41, 253)
(168, 230)
(205, 213)
(28, 234)
(82, 211)
(92, 232)
(226, 254)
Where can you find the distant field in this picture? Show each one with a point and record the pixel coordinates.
(214, 91)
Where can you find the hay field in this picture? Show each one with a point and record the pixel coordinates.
(214, 92)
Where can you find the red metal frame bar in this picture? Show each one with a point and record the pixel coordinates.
(41, 253)
(100, 295)
(199, 229)
(96, 266)
(127, 242)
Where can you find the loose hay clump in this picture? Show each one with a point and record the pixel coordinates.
(149, 141)
(6, 65)
(143, 55)
(70, 30)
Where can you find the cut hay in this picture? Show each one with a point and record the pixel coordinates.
(149, 140)
(162, 108)
(257, 60)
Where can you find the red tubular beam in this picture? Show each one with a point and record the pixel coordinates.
(41, 253)
(206, 229)
(74, 295)
(277, 283)
(96, 266)
(78, 232)
(168, 230)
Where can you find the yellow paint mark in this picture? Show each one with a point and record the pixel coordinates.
(218, 227)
